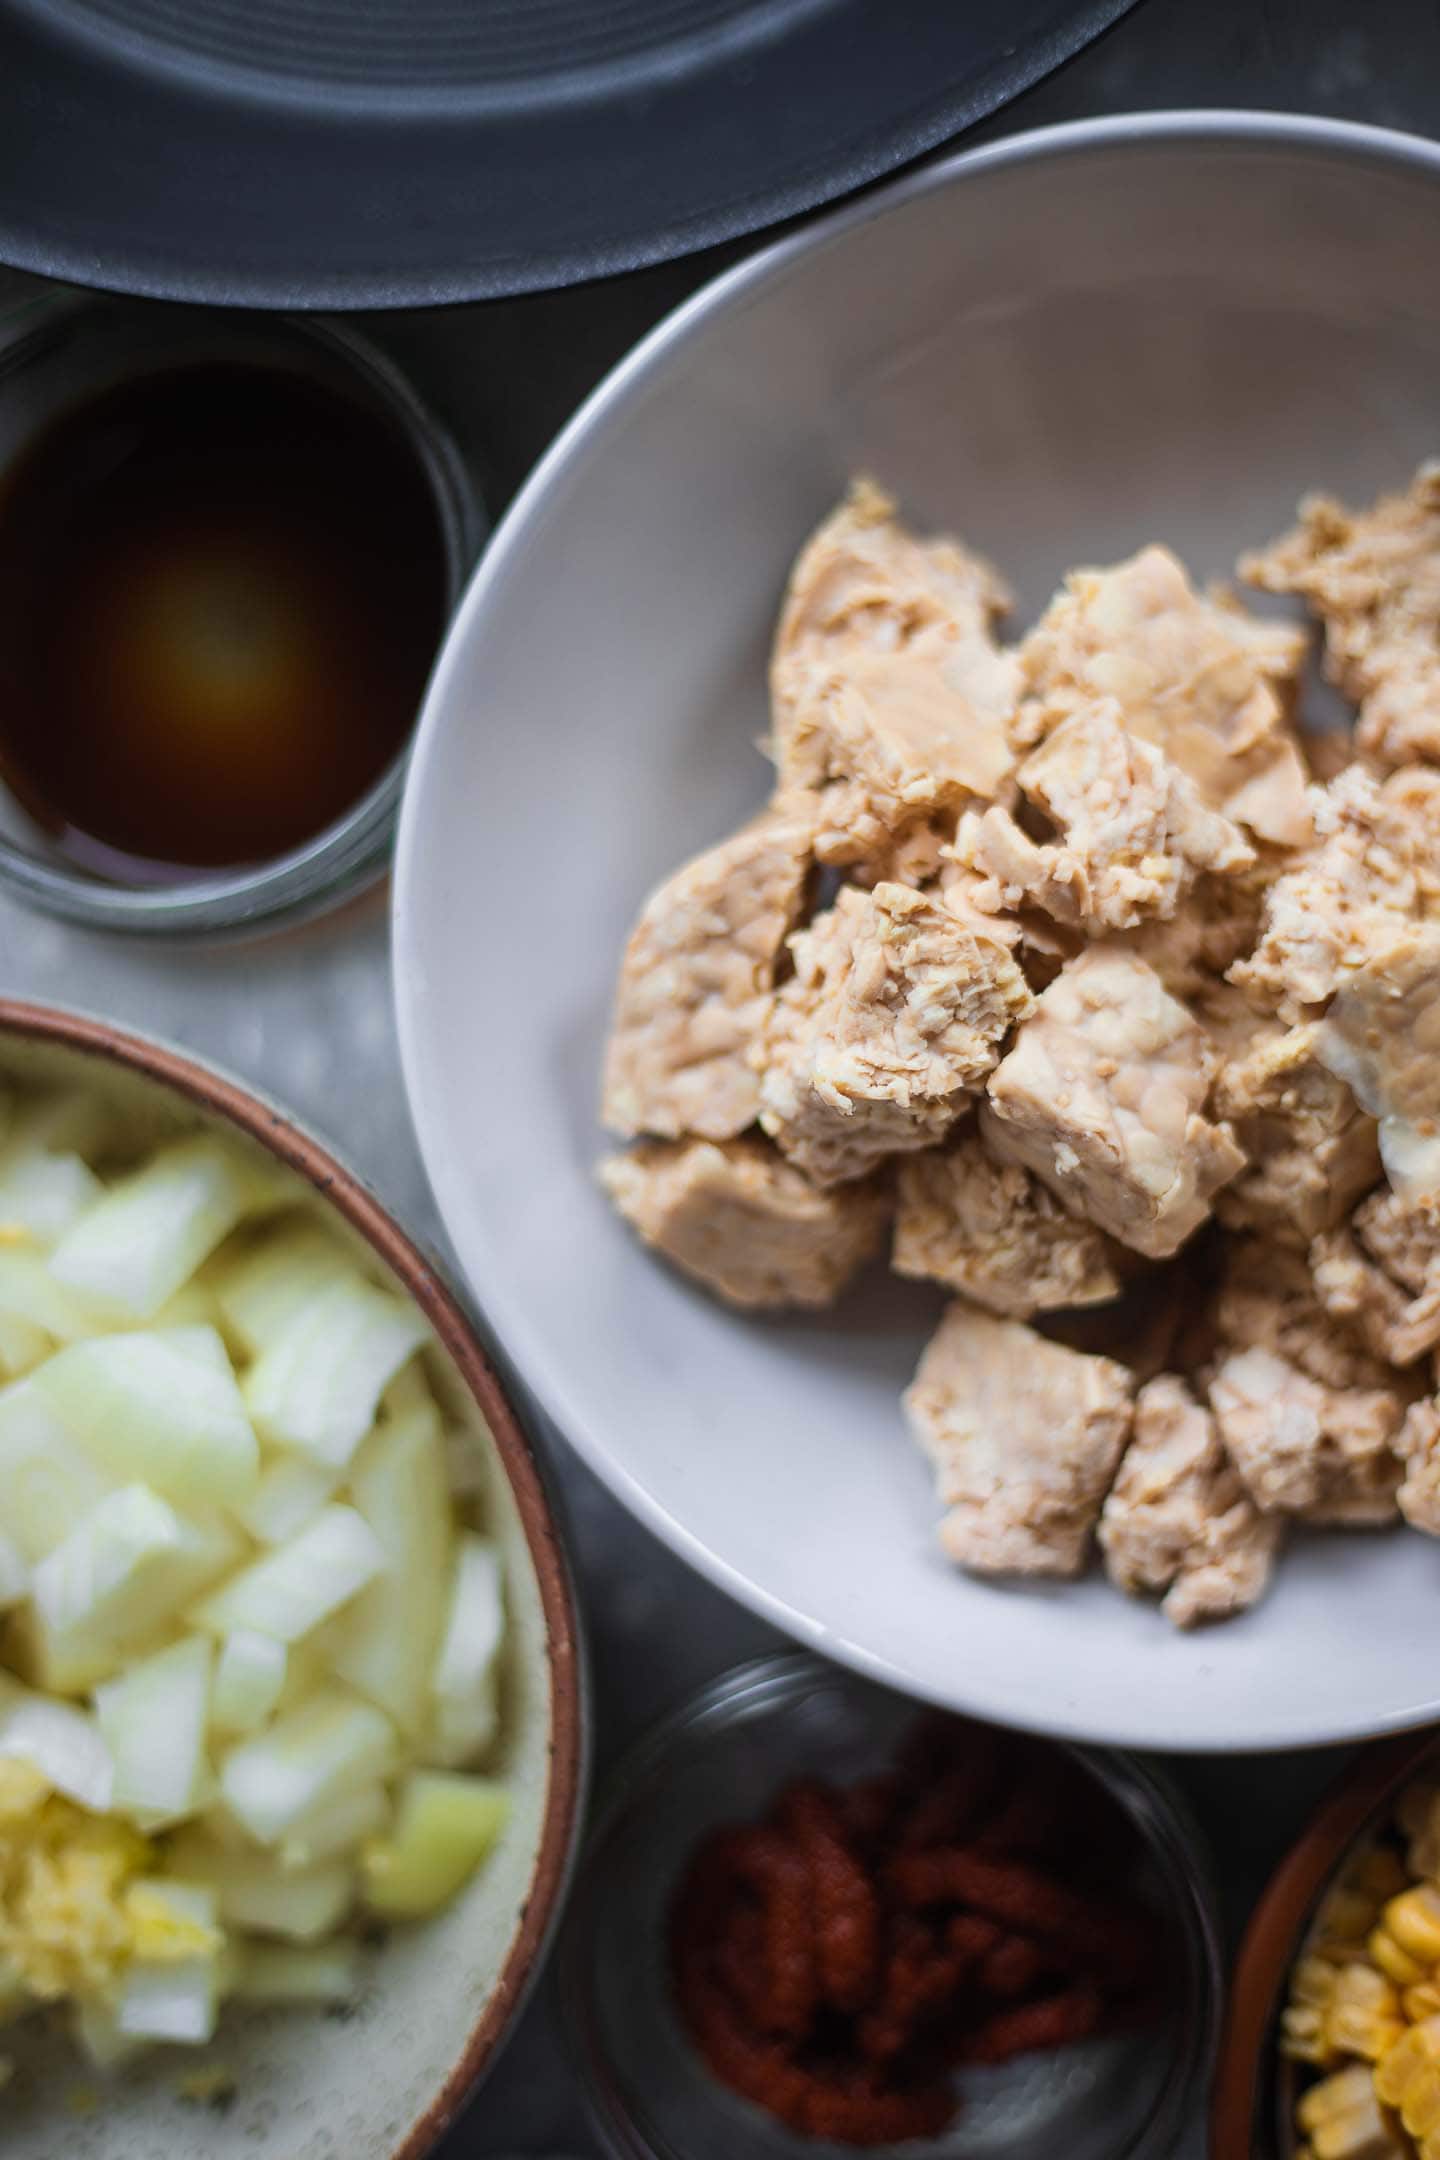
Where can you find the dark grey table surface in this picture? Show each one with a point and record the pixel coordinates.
(509, 374)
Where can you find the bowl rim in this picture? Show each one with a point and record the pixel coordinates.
(274, 1129)
(1212, 127)
(1272, 1935)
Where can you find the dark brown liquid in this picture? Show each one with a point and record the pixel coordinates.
(221, 589)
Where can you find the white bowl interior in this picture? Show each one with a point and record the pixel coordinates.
(1062, 348)
(311, 2086)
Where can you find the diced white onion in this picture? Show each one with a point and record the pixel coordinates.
(289, 1591)
(391, 1633)
(174, 1999)
(464, 1706)
(340, 1826)
(291, 1493)
(48, 1483)
(30, 1292)
(44, 1194)
(327, 1745)
(249, 1677)
(122, 1572)
(317, 1386)
(153, 1720)
(262, 1291)
(145, 1408)
(326, 1974)
(138, 1244)
(64, 1744)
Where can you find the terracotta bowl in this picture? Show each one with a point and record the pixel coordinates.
(383, 2082)
(1249, 2118)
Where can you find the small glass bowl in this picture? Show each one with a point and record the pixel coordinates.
(58, 348)
(723, 1757)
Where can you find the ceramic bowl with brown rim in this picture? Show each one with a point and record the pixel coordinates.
(383, 2081)
(1253, 2105)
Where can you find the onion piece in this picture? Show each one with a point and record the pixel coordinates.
(64, 1744)
(391, 1634)
(291, 1493)
(123, 1571)
(148, 1235)
(317, 1386)
(261, 1292)
(44, 1194)
(289, 1591)
(445, 1826)
(325, 1974)
(249, 1677)
(48, 1483)
(464, 1705)
(153, 1407)
(174, 1998)
(153, 1720)
(327, 1745)
(340, 1826)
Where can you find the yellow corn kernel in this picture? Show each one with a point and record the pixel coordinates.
(1364, 2016)
(1313, 1981)
(1420, 2106)
(1302, 2023)
(1344, 2121)
(1413, 1921)
(1422, 2001)
(1410, 2057)
(1303, 2037)
(1396, 1964)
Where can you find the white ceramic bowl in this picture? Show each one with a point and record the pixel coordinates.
(384, 2081)
(1063, 345)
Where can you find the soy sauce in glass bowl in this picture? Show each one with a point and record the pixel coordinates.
(228, 550)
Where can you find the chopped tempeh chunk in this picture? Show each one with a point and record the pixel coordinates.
(1024, 1435)
(743, 1222)
(1418, 1446)
(696, 981)
(1382, 1035)
(1178, 1520)
(1374, 865)
(897, 1007)
(1268, 1300)
(1134, 831)
(1199, 678)
(1307, 1413)
(996, 1233)
(1217, 925)
(1304, 1448)
(1103, 1097)
(1382, 1271)
(891, 698)
(1373, 577)
(1311, 1148)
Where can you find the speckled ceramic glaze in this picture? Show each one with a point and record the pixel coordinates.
(381, 2083)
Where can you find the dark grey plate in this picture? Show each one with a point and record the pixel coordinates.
(371, 153)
